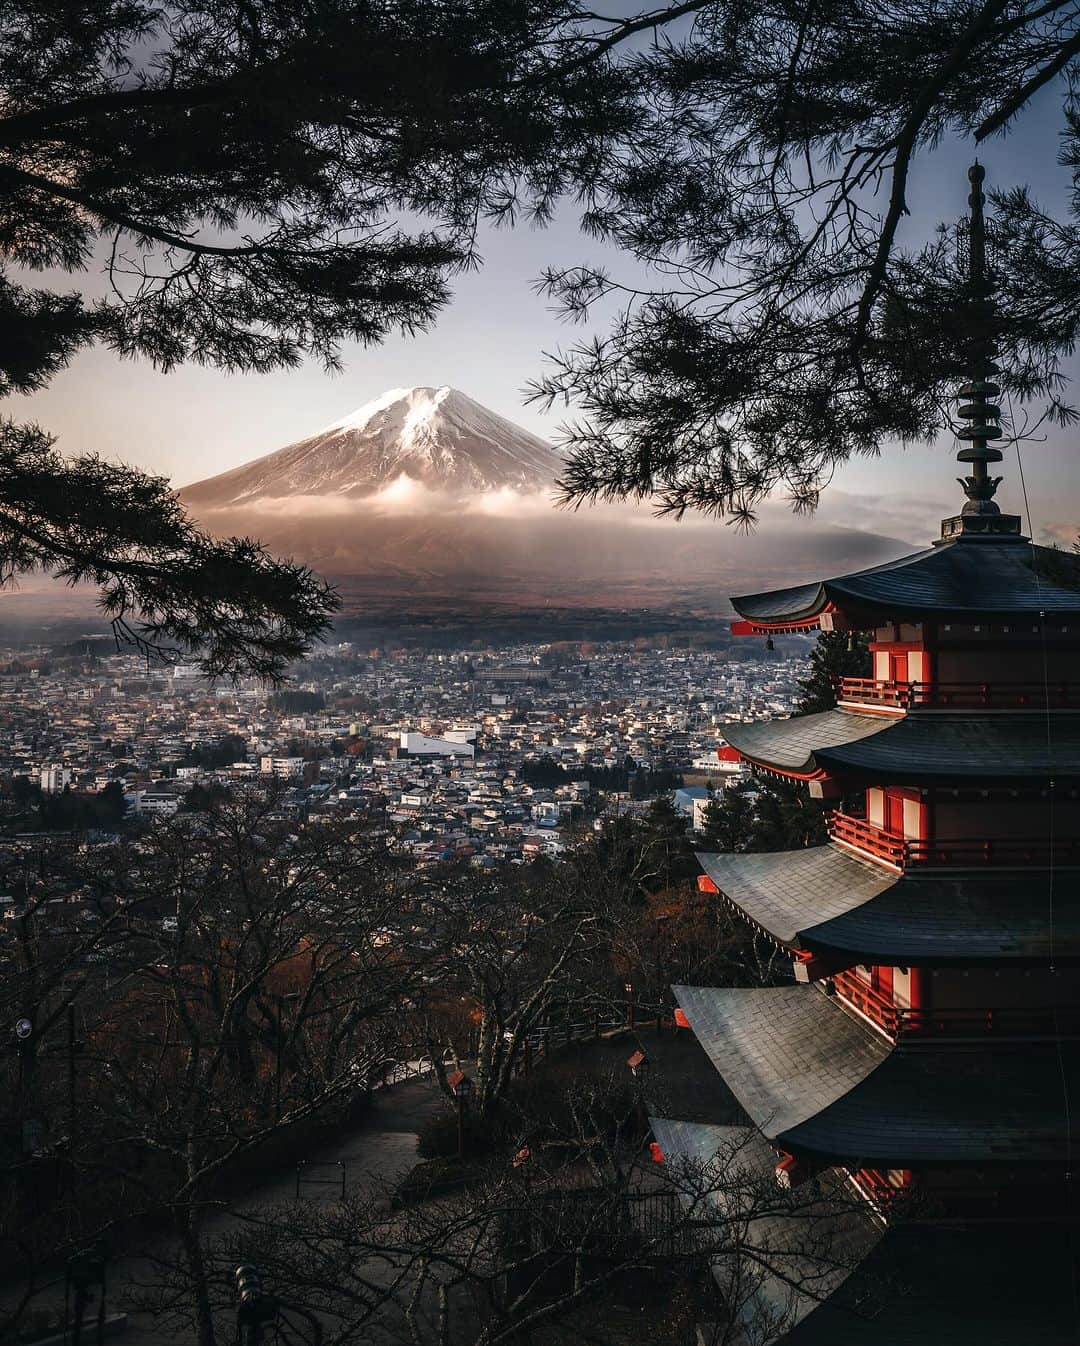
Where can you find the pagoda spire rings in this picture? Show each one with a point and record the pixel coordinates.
(978, 409)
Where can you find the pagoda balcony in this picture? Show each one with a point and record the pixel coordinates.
(904, 853)
(903, 696)
(900, 1021)
(875, 1186)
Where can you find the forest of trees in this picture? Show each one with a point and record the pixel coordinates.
(293, 701)
(234, 992)
(224, 751)
(30, 809)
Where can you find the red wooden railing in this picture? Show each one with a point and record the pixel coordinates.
(1037, 1022)
(906, 852)
(960, 695)
(899, 1020)
(850, 986)
(877, 1187)
(867, 836)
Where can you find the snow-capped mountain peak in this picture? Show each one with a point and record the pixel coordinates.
(436, 436)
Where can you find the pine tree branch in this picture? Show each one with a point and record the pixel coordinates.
(1012, 105)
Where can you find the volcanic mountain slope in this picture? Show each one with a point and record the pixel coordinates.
(424, 492)
(435, 436)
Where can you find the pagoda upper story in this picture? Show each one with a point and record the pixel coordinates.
(968, 579)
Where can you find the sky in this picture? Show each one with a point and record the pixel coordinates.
(195, 422)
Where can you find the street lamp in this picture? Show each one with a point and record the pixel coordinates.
(639, 1068)
(661, 921)
(461, 1087)
(254, 1307)
(84, 1270)
(629, 988)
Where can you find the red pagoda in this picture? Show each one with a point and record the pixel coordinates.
(929, 1046)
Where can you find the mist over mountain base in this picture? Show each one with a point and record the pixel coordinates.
(607, 559)
(423, 501)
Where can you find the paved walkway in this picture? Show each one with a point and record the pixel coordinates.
(380, 1149)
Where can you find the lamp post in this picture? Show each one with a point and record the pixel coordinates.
(24, 1048)
(661, 921)
(462, 1088)
(84, 1270)
(639, 1067)
(254, 1307)
(629, 988)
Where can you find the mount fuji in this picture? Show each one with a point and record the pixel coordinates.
(435, 436)
(423, 497)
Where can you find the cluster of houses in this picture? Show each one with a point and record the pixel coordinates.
(434, 747)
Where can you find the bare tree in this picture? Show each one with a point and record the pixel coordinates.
(255, 982)
(517, 955)
(540, 1247)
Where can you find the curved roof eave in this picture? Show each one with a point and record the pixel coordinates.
(955, 580)
(817, 1080)
(828, 901)
(790, 745)
(917, 749)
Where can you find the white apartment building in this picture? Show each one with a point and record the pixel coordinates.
(55, 778)
(284, 768)
(423, 745)
(157, 804)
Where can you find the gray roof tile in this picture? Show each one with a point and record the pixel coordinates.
(915, 748)
(825, 899)
(979, 580)
(912, 1284)
(815, 1078)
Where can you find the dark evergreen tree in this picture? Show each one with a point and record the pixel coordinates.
(836, 654)
(786, 328)
(222, 752)
(292, 701)
(767, 814)
(728, 819)
(203, 798)
(786, 818)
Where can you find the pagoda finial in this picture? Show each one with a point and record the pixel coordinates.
(980, 515)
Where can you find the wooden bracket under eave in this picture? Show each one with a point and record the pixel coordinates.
(810, 967)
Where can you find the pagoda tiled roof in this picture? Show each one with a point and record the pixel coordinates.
(976, 1284)
(825, 899)
(728, 1172)
(815, 1078)
(793, 744)
(966, 579)
(916, 748)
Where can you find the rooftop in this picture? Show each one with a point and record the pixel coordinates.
(815, 1078)
(987, 1284)
(827, 900)
(918, 749)
(969, 579)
